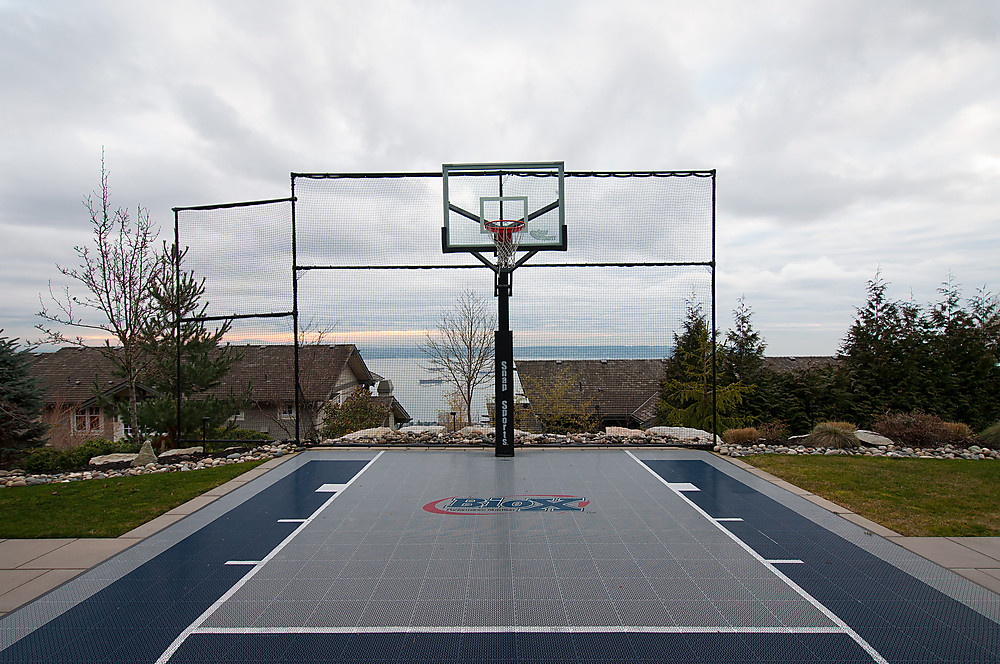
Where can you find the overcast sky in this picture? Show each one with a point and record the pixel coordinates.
(848, 136)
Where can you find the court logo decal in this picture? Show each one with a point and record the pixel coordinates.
(519, 503)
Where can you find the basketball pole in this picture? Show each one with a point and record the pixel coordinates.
(503, 358)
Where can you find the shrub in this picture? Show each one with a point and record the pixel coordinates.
(49, 460)
(990, 436)
(828, 434)
(846, 426)
(775, 432)
(741, 436)
(920, 429)
(956, 432)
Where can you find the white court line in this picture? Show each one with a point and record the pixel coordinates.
(331, 488)
(242, 562)
(729, 518)
(794, 586)
(291, 520)
(789, 561)
(524, 629)
(169, 652)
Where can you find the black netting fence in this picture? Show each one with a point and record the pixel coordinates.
(372, 281)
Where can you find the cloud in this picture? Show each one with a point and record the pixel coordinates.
(847, 136)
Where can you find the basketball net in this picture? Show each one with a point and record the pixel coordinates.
(506, 238)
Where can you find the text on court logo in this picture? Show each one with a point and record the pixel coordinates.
(521, 503)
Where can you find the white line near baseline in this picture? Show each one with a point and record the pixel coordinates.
(523, 629)
(169, 652)
(794, 586)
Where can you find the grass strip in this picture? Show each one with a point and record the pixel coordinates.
(914, 497)
(105, 507)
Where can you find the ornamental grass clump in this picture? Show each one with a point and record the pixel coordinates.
(832, 435)
(741, 436)
(990, 436)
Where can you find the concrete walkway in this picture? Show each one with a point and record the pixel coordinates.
(31, 568)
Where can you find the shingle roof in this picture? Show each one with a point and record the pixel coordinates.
(68, 375)
(624, 389)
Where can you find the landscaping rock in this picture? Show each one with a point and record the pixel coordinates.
(112, 461)
(181, 454)
(145, 456)
(625, 432)
(377, 432)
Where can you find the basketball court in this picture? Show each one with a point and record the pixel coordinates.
(552, 556)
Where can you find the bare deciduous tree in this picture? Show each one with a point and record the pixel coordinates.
(461, 350)
(118, 274)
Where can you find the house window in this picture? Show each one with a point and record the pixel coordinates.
(287, 412)
(238, 417)
(87, 420)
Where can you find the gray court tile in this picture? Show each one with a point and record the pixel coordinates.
(387, 614)
(438, 613)
(397, 589)
(643, 613)
(590, 613)
(550, 613)
(335, 613)
(529, 588)
(445, 588)
(483, 613)
(351, 589)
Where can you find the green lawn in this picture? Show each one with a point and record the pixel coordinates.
(914, 497)
(104, 508)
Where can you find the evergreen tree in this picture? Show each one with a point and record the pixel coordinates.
(21, 401)
(873, 355)
(743, 359)
(744, 354)
(686, 398)
(205, 359)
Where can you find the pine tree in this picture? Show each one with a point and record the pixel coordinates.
(744, 356)
(205, 359)
(686, 398)
(21, 401)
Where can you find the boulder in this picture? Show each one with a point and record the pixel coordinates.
(625, 432)
(377, 432)
(418, 429)
(182, 454)
(145, 456)
(112, 461)
(871, 438)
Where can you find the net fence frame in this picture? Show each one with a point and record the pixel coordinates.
(296, 269)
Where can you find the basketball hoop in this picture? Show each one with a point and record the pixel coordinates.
(506, 238)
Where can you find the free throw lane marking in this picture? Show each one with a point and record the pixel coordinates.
(874, 654)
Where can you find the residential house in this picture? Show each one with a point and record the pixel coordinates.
(622, 392)
(73, 380)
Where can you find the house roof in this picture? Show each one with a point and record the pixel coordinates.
(69, 374)
(269, 370)
(622, 388)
